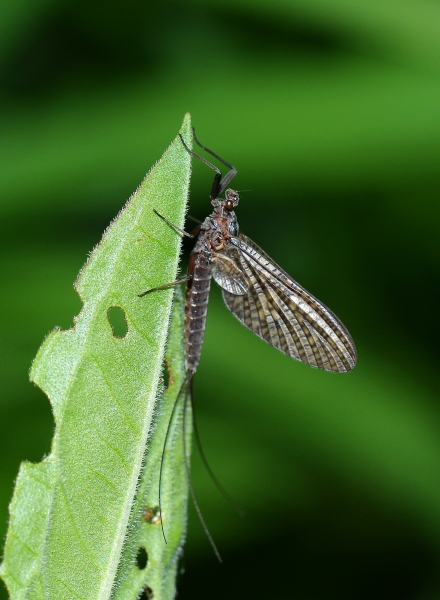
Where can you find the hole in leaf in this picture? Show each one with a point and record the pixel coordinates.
(166, 374)
(117, 320)
(151, 514)
(141, 558)
(148, 593)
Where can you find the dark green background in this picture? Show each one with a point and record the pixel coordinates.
(331, 112)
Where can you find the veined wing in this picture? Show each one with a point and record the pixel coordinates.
(227, 274)
(285, 315)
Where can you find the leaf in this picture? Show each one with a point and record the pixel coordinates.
(145, 531)
(72, 527)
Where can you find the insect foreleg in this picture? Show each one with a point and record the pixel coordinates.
(222, 160)
(216, 184)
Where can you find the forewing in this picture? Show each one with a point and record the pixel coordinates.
(285, 315)
(227, 273)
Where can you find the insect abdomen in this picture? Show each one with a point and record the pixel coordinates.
(196, 307)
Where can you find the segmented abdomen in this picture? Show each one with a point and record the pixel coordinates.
(196, 306)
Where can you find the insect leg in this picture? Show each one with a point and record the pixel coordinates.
(216, 184)
(166, 286)
(222, 160)
(194, 219)
(181, 231)
(229, 176)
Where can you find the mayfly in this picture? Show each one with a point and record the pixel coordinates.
(255, 289)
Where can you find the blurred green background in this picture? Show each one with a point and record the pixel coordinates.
(331, 112)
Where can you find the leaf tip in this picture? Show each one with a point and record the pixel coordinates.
(185, 130)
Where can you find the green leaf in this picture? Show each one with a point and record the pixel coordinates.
(144, 531)
(76, 518)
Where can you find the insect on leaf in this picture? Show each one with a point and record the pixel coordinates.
(256, 290)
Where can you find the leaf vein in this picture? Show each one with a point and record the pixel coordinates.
(114, 448)
(108, 481)
(28, 548)
(68, 587)
(114, 397)
(75, 528)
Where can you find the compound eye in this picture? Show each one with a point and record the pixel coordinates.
(229, 205)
